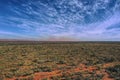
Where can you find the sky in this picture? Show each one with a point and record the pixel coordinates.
(60, 20)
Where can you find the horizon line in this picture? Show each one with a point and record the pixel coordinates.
(21, 40)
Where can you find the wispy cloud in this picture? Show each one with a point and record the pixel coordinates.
(63, 19)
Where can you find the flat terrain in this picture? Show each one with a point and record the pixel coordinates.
(32, 60)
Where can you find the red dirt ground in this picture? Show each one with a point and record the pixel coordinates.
(80, 68)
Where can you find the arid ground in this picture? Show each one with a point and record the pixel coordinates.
(27, 60)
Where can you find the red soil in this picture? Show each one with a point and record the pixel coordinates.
(42, 75)
(106, 76)
(81, 67)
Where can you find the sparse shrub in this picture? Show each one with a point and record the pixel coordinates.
(114, 72)
(45, 57)
(46, 69)
(9, 75)
(23, 73)
(60, 62)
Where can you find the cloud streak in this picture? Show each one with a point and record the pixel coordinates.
(62, 19)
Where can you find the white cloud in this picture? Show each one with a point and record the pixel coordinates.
(48, 21)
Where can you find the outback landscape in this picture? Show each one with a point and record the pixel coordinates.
(34, 60)
(59, 39)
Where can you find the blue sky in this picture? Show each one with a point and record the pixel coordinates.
(79, 20)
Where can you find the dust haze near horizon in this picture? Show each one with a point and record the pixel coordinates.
(60, 20)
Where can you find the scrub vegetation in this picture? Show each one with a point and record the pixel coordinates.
(59, 60)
